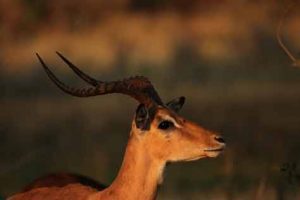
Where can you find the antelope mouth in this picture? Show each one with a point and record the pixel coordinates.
(214, 149)
(214, 152)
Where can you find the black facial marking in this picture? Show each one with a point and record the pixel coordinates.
(176, 104)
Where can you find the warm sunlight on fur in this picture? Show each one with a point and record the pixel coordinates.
(159, 135)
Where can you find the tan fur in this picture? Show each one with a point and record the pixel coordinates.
(146, 155)
(61, 179)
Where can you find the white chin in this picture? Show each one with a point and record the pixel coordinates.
(194, 158)
(213, 154)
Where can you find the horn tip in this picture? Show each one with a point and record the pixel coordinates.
(58, 53)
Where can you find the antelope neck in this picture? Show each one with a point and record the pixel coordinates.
(138, 177)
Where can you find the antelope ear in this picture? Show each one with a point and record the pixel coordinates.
(176, 104)
(142, 117)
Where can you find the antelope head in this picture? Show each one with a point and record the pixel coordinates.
(170, 137)
(166, 135)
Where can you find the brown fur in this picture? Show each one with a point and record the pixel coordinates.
(62, 179)
(146, 155)
(71, 191)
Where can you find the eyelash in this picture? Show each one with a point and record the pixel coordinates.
(164, 125)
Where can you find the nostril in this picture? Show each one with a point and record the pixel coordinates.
(220, 139)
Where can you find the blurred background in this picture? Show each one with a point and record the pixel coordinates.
(222, 55)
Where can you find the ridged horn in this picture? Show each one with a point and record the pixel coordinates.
(138, 87)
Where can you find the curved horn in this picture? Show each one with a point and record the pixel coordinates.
(77, 71)
(139, 87)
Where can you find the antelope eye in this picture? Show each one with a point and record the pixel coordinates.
(164, 125)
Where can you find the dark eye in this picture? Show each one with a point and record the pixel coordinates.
(165, 125)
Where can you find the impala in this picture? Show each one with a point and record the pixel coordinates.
(158, 136)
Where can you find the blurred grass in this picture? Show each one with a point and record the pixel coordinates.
(99, 34)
